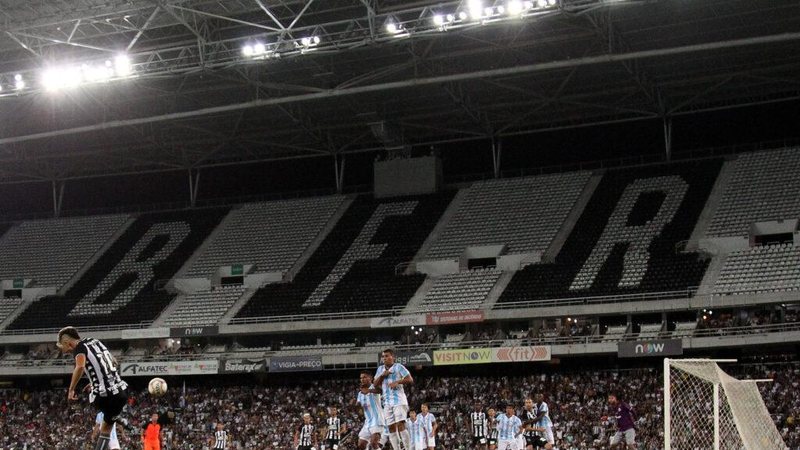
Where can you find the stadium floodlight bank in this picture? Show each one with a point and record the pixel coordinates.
(705, 408)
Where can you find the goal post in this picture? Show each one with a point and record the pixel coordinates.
(707, 409)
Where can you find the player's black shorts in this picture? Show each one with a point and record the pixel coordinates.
(535, 441)
(303, 447)
(479, 440)
(491, 441)
(332, 443)
(111, 406)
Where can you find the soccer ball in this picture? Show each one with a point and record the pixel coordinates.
(157, 387)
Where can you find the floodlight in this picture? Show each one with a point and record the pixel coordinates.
(122, 65)
(514, 7)
(527, 5)
(542, 3)
(248, 50)
(475, 9)
(488, 11)
(259, 49)
(462, 15)
(306, 41)
(501, 9)
(451, 18)
(19, 83)
(392, 28)
(316, 40)
(552, 2)
(438, 20)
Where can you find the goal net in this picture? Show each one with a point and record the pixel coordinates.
(707, 409)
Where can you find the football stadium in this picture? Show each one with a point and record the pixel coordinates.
(399, 224)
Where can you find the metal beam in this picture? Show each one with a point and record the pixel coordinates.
(380, 87)
(142, 30)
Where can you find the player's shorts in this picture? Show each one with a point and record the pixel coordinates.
(535, 441)
(152, 445)
(479, 440)
(491, 441)
(395, 414)
(548, 436)
(111, 406)
(431, 441)
(531, 439)
(628, 435)
(366, 432)
(304, 447)
(332, 444)
(508, 444)
(419, 445)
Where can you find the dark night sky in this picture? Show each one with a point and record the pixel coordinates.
(461, 161)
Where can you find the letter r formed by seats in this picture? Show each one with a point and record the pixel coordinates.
(638, 237)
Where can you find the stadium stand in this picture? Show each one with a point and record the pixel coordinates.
(205, 307)
(650, 330)
(764, 187)
(625, 240)
(8, 306)
(523, 213)
(51, 251)
(761, 269)
(258, 413)
(354, 267)
(122, 286)
(269, 235)
(463, 290)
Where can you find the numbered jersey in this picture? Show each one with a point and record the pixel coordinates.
(100, 368)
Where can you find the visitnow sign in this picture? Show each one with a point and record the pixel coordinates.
(658, 347)
(492, 355)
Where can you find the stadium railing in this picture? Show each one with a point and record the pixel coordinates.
(29, 331)
(559, 340)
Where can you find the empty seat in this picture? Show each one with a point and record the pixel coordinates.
(523, 213)
(764, 186)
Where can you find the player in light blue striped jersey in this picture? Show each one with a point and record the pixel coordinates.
(392, 377)
(369, 397)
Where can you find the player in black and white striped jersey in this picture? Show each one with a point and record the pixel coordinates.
(334, 431)
(480, 429)
(108, 392)
(220, 438)
(305, 437)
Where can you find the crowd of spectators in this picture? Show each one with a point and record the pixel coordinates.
(264, 416)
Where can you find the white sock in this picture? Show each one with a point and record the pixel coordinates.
(394, 440)
(406, 437)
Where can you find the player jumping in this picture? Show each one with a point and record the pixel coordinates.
(479, 427)
(369, 398)
(392, 377)
(109, 393)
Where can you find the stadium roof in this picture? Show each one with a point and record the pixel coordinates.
(196, 100)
